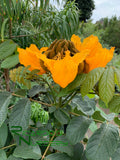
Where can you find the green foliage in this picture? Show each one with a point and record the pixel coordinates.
(4, 102)
(91, 80)
(77, 128)
(32, 152)
(38, 113)
(20, 115)
(104, 140)
(46, 121)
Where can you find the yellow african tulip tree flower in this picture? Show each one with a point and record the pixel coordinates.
(98, 56)
(65, 59)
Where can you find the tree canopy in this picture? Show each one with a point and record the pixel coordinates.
(86, 7)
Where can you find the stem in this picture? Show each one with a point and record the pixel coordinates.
(49, 105)
(6, 75)
(49, 145)
(8, 146)
(69, 99)
(60, 99)
(28, 35)
(75, 114)
(10, 29)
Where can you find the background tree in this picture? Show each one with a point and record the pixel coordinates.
(86, 7)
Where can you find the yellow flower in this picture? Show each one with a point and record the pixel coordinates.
(64, 70)
(65, 59)
(97, 57)
(27, 57)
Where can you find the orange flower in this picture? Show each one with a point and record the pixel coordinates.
(65, 59)
(64, 70)
(28, 57)
(98, 56)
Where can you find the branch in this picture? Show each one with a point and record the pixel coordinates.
(49, 145)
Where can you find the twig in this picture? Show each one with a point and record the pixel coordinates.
(49, 105)
(49, 145)
(75, 114)
(6, 75)
(8, 146)
(28, 35)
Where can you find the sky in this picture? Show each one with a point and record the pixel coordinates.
(103, 8)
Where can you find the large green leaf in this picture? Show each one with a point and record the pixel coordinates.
(117, 121)
(10, 62)
(4, 102)
(20, 114)
(61, 144)
(3, 155)
(7, 48)
(35, 90)
(91, 79)
(58, 156)
(116, 155)
(86, 106)
(79, 152)
(3, 134)
(11, 157)
(99, 115)
(117, 74)
(106, 85)
(102, 143)
(114, 104)
(76, 83)
(25, 151)
(77, 128)
(62, 116)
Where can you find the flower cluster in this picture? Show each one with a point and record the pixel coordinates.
(65, 59)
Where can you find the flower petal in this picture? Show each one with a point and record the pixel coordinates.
(65, 70)
(100, 59)
(77, 41)
(28, 57)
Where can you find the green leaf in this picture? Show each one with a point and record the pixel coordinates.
(116, 155)
(91, 79)
(62, 116)
(58, 156)
(117, 121)
(102, 144)
(76, 83)
(77, 128)
(4, 102)
(86, 106)
(114, 104)
(7, 48)
(32, 152)
(3, 28)
(61, 144)
(78, 152)
(20, 114)
(106, 85)
(10, 62)
(35, 90)
(101, 103)
(3, 134)
(117, 74)
(98, 116)
(11, 157)
(93, 127)
(3, 155)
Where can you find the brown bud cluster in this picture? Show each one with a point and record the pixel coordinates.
(58, 47)
(57, 50)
